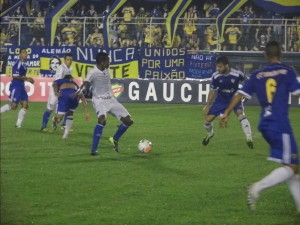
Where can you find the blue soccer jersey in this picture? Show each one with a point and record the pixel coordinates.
(226, 84)
(19, 69)
(272, 85)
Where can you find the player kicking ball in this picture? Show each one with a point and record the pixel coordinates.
(225, 82)
(104, 102)
(272, 85)
(65, 89)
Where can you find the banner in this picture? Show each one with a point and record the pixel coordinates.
(44, 61)
(200, 66)
(162, 63)
(37, 92)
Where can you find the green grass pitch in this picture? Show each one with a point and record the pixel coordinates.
(47, 181)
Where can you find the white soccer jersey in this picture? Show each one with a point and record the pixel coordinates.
(100, 82)
(61, 71)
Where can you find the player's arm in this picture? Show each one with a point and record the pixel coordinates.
(16, 74)
(237, 98)
(29, 79)
(85, 107)
(211, 97)
(56, 88)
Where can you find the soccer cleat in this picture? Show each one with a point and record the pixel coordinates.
(18, 126)
(114, 143)
(206, 139)
(250, 144)
(252, 197)
(46, 130)
(95, 153)
(64, 127)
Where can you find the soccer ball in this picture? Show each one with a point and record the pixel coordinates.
(145, 146)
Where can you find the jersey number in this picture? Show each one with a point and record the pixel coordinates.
(270, 89)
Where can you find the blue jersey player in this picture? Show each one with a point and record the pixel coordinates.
(65, 90)
(225, 82)
(272, 85)
(17, 89)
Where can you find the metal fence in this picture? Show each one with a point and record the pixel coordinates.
(195, 35)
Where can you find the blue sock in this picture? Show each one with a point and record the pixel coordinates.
(121, 130)
(46, 117)
(65, 120)
(97, 135)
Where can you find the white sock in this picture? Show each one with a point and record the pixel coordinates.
(5, 108)
(246, 126)
(294, 187)
(21, 116)
(277, 176)
(69, 123)
(209, 127)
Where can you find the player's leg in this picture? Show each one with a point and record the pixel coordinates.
(119, 111)
(281, 151)
(14, 101)
(62, 109)
(69, 123)
(51, 106)
(23, 110)
(101, 110)
(239, 112)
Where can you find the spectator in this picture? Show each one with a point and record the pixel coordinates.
(165, 11)
(214, 11)
(81, 12)
(140, 23)
(277, 27)
(105, 12)
(95, 36)
(190, 15)
(189, 29)
(128, 12)
(211, 37)
(149, 33)
(261, 40)
(69, 34)
(123, 29)
(233, 35)
(246, 17)
(194, 42)
(91, 12)
(207, 7)
(167, 44)
(156, 14)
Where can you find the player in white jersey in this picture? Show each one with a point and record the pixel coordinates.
(104, 102)
(63, 69)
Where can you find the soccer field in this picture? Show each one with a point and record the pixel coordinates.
(47, 181)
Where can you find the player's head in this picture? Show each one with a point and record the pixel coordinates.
(273, 51)
(54, 63)
(68, 77)
(23, 54)
(222, 64)
(102, 59)
(68, 59)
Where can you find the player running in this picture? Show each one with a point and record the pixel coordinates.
(225, 82)
(272, 85)
(65, 90)
(104, 102)
(17, 89)
(63, 69)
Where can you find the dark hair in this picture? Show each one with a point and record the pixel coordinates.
(273, 49)
(68, 77)
(22, 49)
(101, 57)
(68, 55)
(223, 59)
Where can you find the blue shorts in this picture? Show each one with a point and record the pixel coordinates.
(218, 108)
(67, 103)
(283, 147)
(17, 93)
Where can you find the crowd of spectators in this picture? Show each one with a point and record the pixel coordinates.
(142, 25)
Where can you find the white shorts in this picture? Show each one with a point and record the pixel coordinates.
(109, 105)
(52, 100)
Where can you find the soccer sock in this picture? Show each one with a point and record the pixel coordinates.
(65, 121)
(69, 124)
(277, 176)
(246, 126)
(209, 127)
(5, 108)
(46, 117)
(121, 130)
(97, 135)
(21, 116)
(294, 187)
